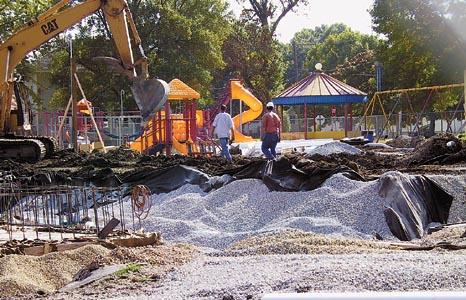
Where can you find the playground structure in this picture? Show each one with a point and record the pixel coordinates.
(180, 126)
(401, 116)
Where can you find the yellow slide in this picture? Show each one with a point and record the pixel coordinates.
(238, 91)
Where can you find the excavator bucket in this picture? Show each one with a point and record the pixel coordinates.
(150, 95)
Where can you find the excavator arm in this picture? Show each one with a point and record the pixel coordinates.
(149, 94)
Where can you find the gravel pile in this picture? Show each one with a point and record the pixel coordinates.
(154, 255)
(455, 185)
(298, 242)
(334, 147)
(243, 208)
(21, 274)
(250, 276)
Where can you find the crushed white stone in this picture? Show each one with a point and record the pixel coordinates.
(243, 208)
(334, 147)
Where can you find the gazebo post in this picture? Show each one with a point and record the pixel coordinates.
(186, 105)
(351, 117)
(314, 118)
(281, 118)
(168, 130)
(194, 121)
(346, 118)
(305, 121)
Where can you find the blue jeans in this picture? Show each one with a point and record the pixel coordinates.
(225, 152)
(269, 143)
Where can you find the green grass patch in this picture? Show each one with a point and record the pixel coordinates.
(462, 137)
(130, 268)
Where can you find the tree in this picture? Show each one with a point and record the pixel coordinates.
(337, 48)
(421, 48)
(15, 14)
(182, 39)
(262, 68)
(251, 56)
(269, 13)
(302, 42)
(358, 71)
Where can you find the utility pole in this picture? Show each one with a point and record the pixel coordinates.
(295, 58)
(378, 75)
(464, 96)
(122, 95)
(74, 100)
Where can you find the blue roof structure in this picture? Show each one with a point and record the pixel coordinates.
(320, 88)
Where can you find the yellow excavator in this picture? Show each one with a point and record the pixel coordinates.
(150, 94)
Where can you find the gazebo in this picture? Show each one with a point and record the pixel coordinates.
(319, 88)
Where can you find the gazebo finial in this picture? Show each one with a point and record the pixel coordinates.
(318, 67)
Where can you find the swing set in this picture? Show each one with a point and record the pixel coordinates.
(414, 118)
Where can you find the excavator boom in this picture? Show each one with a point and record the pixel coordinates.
(149, 95)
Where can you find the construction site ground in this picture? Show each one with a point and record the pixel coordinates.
(287, 261)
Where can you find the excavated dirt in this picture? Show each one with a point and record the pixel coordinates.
(430, 156)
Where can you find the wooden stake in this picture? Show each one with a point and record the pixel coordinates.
(90, 112)
(64, 118)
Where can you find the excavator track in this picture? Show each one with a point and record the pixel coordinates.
(29, 150)
(50, 143)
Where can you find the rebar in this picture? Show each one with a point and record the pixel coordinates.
(57, 208)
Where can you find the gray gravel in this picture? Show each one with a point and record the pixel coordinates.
(216, 277)
(341, 207)
(334, 147)
(456, 186)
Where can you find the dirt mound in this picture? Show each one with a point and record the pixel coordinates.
(15, 168)
(366, 163)
(209, 165)
(432, 148)
(404, 141)
(21, 274)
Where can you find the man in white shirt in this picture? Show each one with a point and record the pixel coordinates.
(222, 127)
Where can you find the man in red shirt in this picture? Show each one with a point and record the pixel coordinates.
(270, 132)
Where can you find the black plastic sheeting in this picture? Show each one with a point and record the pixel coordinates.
(282, 175)
(412, 204)
(278, 175)
(167, 179)
(100, 178)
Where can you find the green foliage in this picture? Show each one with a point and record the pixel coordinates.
(345, 54)
(181, 39)
(184, 38)
(254, 56)
(130, 268)
(16, 14)
(338, 48)
(252, 51)
(446, 100)
(302, 42)
(286, 121)
(421, 48)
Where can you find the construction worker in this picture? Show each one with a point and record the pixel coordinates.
(223, 128)
(270, 132)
